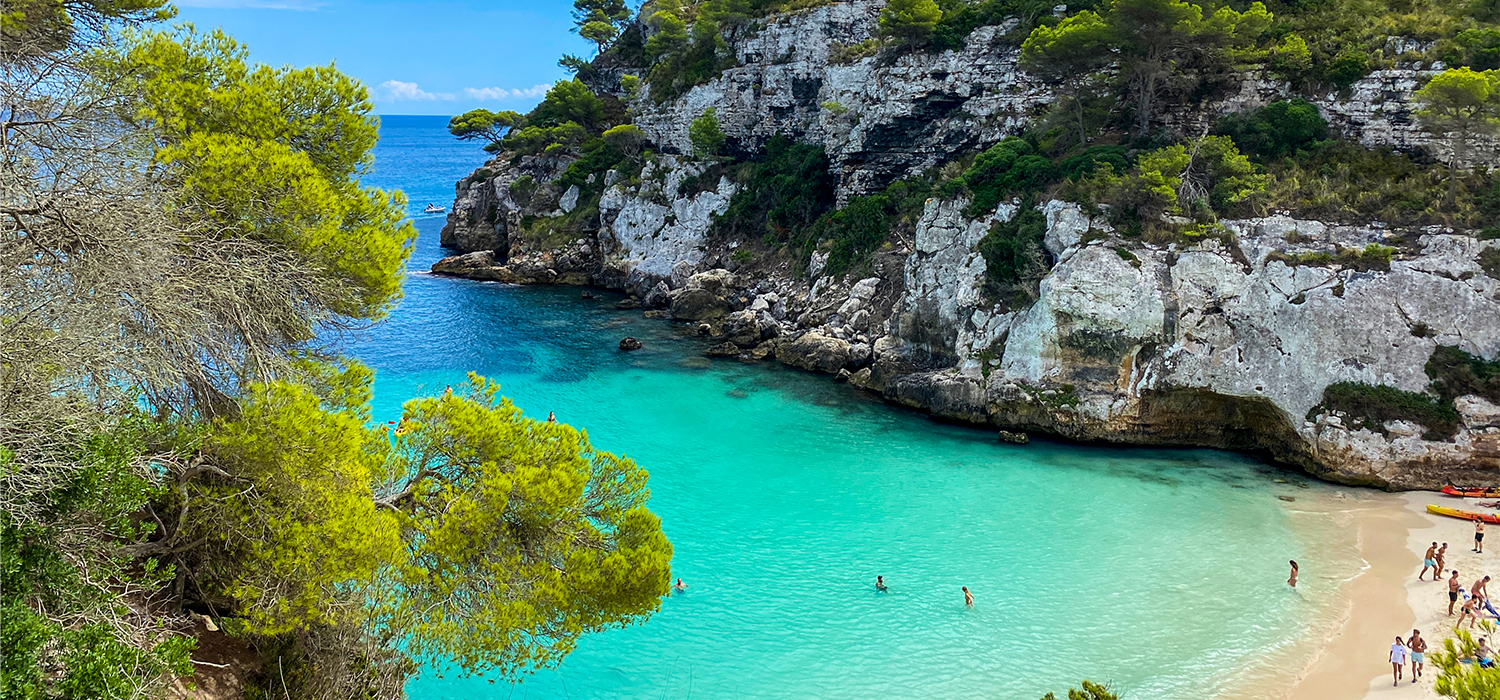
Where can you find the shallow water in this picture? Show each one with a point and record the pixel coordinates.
(784, 495)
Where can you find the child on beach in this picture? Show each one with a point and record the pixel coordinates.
(1398, 660)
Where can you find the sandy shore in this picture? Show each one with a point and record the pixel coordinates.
(1387, 599)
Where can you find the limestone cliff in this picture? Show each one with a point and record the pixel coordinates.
(1228, 341)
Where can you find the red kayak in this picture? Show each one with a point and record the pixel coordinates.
(1476, 492)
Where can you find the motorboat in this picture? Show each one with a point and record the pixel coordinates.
(433, 209)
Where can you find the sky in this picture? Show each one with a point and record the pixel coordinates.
(416, 58)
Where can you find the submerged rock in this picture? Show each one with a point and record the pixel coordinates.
(1013, 438)
(629, 343)
(723, 350)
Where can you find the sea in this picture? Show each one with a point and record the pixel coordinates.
(1161, 572)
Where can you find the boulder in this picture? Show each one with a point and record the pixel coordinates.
(627, 304)
(1016, 438)
(465, 264)
(743, 328)
(628, 344)
(725, 349)
(814, 351)
(718, 281)
(698, 304)
(659, 296)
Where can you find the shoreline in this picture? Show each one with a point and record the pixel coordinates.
(1386, 599)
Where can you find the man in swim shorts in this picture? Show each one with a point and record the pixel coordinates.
(1429, 561)
(1478, 535)
(1452, 592)
(1416, 645)
(1480, 589)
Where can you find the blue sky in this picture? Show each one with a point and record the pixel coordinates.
(417, 58)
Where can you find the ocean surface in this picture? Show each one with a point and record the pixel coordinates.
(1161, 572)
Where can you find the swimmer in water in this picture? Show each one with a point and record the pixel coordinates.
(1293, 580)
(968, 597)
(880, 583)
(552, 418)
(680, 585)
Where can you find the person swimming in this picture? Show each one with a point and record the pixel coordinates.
(968, 597)
(679, 586)
(552, 418)
(880, 583)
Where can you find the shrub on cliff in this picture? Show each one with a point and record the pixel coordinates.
(780, 194)
(705, 135)
(1456, 373)
(1015, 258)
(1200, 180)
(1372, 407)
(1277, 130)
(909, 22)
(1007, 168)
(492, 127)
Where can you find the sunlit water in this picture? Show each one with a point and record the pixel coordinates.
(784, 495)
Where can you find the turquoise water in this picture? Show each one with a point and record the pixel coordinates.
(784, 495)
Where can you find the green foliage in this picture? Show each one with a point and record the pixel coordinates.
(35, 26)
(961, 18)
(521, 536)
(1489, 261)
(569, 101)
(532, 140)
(1068, 55)
(1460, 104)
(706, 136)
(626, 138)
(1456, 373)
(295, 506)
(679, 60)
(1277, 130)
(483, 124)
(1009, 167)
(780, 194)
(1090, 691)
(1373, 406)
(1477, 48)
(1343, 181)
(909, 22)
(630, 84)
(1015, 259)
(273, 156)
(1464, 681)
(600, 21)
(1290, 59)
(1093, 159)
(852, 233)
(1372, 257)
(1200, 179)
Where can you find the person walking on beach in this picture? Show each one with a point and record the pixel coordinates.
(1429, 561)
(968, 597)
(1398, 660)
(1469, 610)
(1452, 592)
(1478, 535)
(1418, 646)
(880, 583)
(1442, 554)
(1293, 580)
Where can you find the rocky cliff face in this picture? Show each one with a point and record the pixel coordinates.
(1225, 342)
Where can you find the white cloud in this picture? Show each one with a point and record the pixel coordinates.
(397, 91)
(300, 5)
(499, 93)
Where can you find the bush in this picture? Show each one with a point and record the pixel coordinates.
(1376, 405)
(1456, 373)
(1009, 167)
(1372, 257)
(705, 134)
(1276, 130)
(1015, 258)
(851, 234)
(909, 22)
(1343, 181)
(1090, 159)
(1202, 179)
(1489, 261)
(780, 194)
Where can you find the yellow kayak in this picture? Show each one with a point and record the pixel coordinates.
(1464, 514)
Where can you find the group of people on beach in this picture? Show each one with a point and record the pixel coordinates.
(1475, 603)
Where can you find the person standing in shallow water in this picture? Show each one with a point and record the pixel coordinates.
(679, 586)
(1293, 580)
(1429, 561)
(880, 583)
(968, 597)
(552, 418)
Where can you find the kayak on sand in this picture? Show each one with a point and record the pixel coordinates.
(1472, 492)
(1464, 514)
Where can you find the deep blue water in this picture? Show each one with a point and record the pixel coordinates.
(784, 494)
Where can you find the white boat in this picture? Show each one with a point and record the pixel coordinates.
(433, 209)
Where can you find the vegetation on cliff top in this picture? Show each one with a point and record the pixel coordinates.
(177, 432)
(1452, 373)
